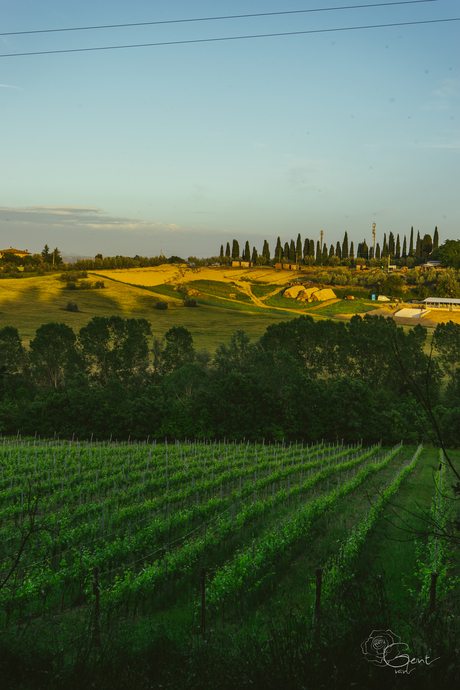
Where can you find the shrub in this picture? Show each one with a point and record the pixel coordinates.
(161, 305)
(71, 284)
(99, 284)
(71, 306)
(190, 303)
(85, 285)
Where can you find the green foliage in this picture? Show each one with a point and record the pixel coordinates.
(71, 306)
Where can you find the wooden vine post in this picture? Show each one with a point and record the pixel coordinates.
(203, 602)
(319, 580)
(97, 630)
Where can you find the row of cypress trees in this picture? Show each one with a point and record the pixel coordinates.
(306, 252)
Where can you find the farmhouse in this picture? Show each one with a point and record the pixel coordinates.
(242, 264)
(17, 252)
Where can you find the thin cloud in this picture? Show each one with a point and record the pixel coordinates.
(8, 86)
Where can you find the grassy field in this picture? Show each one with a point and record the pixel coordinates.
(27, 304)
(228, 299)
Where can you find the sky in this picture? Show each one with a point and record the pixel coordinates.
(179, 148)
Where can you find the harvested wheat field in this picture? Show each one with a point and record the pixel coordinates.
(180, 273)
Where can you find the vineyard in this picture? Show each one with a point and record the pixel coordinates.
(197, 533)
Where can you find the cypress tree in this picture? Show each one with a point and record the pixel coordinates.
(351, 254)
(331, 251)
(398, 247)
(266, 251)
(324, 256)
(306, 248)
(292, 256)
(338, 251)
(278, 250)
(318, 253)
(247, 252)
(385, 246)
(311, 250)
(377, 251)
(227, 250)
(404, 251)
(345, 247)
(286, 251)
(435, 238)
(391, 244)
(254, 255)
(235, 250)
(221, 251)
(298, 249)
(427, 246)
(418, 246)
(411, 242)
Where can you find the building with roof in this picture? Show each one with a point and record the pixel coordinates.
(450, 303)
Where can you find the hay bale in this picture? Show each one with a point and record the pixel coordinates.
(306, 294)
(323, 295)
(293, 291)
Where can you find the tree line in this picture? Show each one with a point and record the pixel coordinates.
(302, 379)
(298, 252)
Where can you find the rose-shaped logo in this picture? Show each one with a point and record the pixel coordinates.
(376, 644)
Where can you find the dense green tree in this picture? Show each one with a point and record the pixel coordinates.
(331, 251)
(427, 246)
(221, 251)
(324, 256)
(392, 285)
(435, 238)
(338, 251)
(237, 355)
(292, 255)
(179, 348)
(53, 354)
(286, 252)
(418, 246)
(446, 342)
(351, 254)
(247, 252)
(447, 285)
(448, 254)
(46, 255)
(227, 250)
(115, 347)
(254, 256)
(56, 258)
(377, 251)
(404, 249)
(235, 250)
(398, 247)
(311, 250)
(345, 246)
(12, 352)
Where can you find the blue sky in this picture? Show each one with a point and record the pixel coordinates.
(179, 148)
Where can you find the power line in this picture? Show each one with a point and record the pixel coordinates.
(232, 38)
(208, 19)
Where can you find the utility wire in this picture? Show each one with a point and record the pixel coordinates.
(232, 38)
(208, 19)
